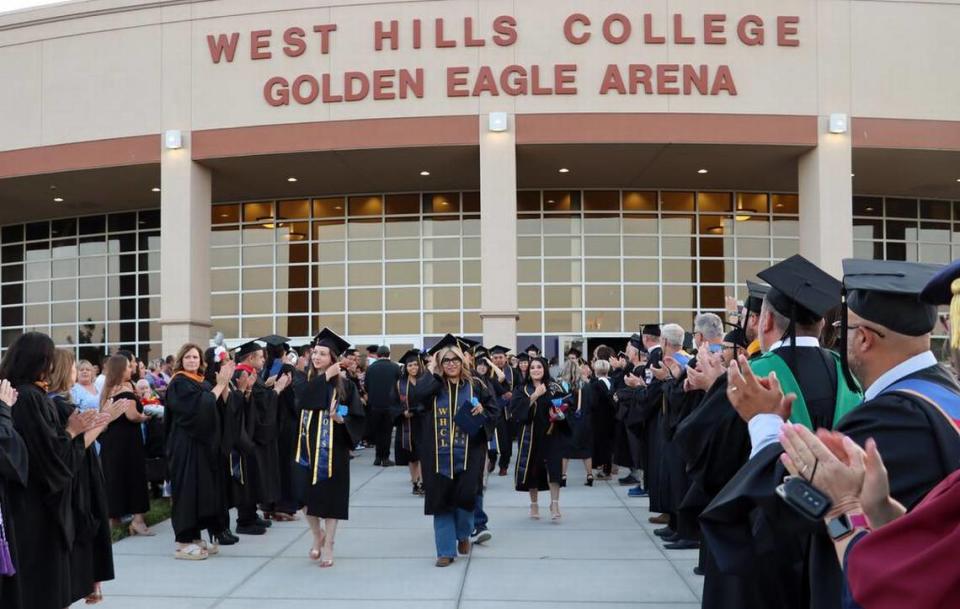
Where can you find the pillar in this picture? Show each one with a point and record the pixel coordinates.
(498, 233)
(185, 201)
(824, 182)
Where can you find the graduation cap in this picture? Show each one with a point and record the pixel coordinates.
(533, 347)
(448, 340)
(468, 423)
(800, 290)
(687, 341)
(247, 348)
(331, 340)
(499, 350)
(736, 337)
(275, 340)
(523, 357)
(467, 344)
(755, 293)
(650, 329)
(411, 355)
(944, 289)
(636, 341)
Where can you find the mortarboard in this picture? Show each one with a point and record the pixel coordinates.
(755, 293)
(372, 349)
(650, 329)
(331, 340)
(467, 344)
(533, 347)
(412, 354)
(736, 337)
(887, 292)
(523, 357)
(800, 290)
(636, 341)
(944, 289)
(274, 340)
(247, 348)
(499, 350)
(468, 423)
(447, 341)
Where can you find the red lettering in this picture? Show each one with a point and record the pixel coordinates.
(257, 42)
(723, 81)
(515, 86)
(325, 31)
(411, 83)
(695, 78)
(505, 27)
(349, 79)
(612, 80)
(535, 87)
(625, 28)
(754, 35)
(787, 26)
(678, 37)
(379, 35)
(485, 82)
(382, 83)
(295, 45)
(565, 74)
(455, 80)
(640, 74)
(440, 41)
(667, 75)
(328, 97)
(312, 92)
(568, 32)
(648, 35)
(468, 39)
(275, 91)
(223, 46)
(417, 34)
(713, 27)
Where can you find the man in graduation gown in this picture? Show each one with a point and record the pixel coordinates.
(505, 427)
(643, 419)
(887, 336)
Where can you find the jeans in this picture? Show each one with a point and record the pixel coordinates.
(449, 528)
(479, 516)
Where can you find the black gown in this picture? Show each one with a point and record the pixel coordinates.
(675, 480)
(91, 556)
(406, 448)
(746, 521)
(193, 455)
(540, 443)
(323, 483)
(506, 429)
(580, 444)
(603, 414)
(444, 493)
(13, 477)
(42, 510)
(286, 439)
(123, 457)
(265, 466)
(237, 450)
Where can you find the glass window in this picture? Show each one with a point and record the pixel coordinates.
(528, 246)
(563, 321)
(435, 323)
(441, 298)
(365, 274)
(257, 303)
(365, 300)
(757, 203)
(403, 299)
(470, 201)
(403, 323)
(676, 201)
(641, 270)
(529, 225)
(641, 296)
(602, 269)
(403, 273)
(603, 296)
(402, 227)
(529, 321)
(561, 246)
(677, 271)
(329, 300)
(562, 296)
(329, 230)
(561, 271)
(398, 249)
(441, 248)
(365, 229)
(471, 271)
(441, 226)
(441, 272)
(471, 297)
(330, 276)
(528, 297)
(603, 321)
(641, 246)
(528, 271)
(601, 200)
(364, 250)
(441, 203)
(528, 200)
(786, 204)
(561, 200)
(601, 246)
(679, 296)
(294, 210)
(640, 201)
(330, 207)
(369, 205)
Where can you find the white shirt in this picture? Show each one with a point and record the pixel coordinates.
(901, 370)
(99, 381)
(765, 428)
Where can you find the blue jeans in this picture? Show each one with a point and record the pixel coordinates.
(449, 528)
(479, 516)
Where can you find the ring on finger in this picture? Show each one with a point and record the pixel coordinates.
(734, 388)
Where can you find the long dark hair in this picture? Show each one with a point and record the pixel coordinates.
(29, 359)
(212, 365)
(113, 370)
(131, 357)
(546, 380)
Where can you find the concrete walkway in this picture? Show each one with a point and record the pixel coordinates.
(603, 554)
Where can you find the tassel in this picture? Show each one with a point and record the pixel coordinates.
(955, 314)
(6, 559)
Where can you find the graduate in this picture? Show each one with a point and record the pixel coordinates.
(492, 378)
(193, 453)
(13, 472)
(330, 418)
(458, 417)
(276, 364)
(540, 407)
(506, 428)
(603, 409)
(409, 429)
(533, 351)
(230, 406)
(580, 442)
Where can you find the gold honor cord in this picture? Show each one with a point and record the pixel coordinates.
(451, 423)
(309, 415)
(528, 427)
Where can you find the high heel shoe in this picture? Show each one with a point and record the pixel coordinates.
(589, 481)
(563, 481)
(534, 511)
(555, 511)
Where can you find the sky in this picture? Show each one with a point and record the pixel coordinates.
(13, 5)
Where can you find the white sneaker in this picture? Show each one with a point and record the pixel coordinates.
(481, 536)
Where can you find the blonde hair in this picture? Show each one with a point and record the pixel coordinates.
(59, 378)
(601, 367)
(457, 353)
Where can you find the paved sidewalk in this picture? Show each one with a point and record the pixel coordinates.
(603, 554)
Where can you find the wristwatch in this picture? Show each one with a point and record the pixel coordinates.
(844, 525)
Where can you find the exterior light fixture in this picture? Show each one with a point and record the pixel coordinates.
(563, 170)
(172, 139)
(838, 122)
(155, 189)
(702, 171)
(291, 179)
(424, 173)
(58, 199)
(497, 121)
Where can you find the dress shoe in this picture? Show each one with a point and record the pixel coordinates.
(387, 463)
(264, 523)
(463, 547)
(444, 561)
(638, 491)
(250, 529)
(628, 480)
(376, 462)
(683, 544)
(229, 534)
(670, 538)
(503, 471)
(664, 532)
(221, 539)
(661, 519)
(698, 571)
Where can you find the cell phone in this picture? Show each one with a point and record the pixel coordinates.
(804, 498)
(342, 410)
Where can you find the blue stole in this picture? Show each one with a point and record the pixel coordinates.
(525, 444)
(940, 397)
(450, 444)
(406, 427)
(320, 459)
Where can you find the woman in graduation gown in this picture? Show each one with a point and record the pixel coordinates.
(42, 509)
(602, 413)
(493, 379)
(13, 472)
(230, 405)
(539, 408)
(458, 415)
(407, 439)
(91, 556)
(580, 445)
(193, 452)
(330, 425)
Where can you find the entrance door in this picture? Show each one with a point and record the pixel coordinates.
(398, 344)
(567, 342)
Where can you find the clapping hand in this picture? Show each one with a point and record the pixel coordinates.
(660, 372)
(82, 422)
(633, 381)
(751, 395)
(708, 369)
(8, 395)
(225, 373)
(672, 365)
(115, 408)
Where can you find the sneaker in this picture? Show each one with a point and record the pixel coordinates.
(638, 491)
(481, 536)
(359, 446)
(628, 480)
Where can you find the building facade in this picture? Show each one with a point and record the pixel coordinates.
(532, 171)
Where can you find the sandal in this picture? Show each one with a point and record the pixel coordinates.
(328, 562)
(211, 550)
(190, 552)
(534, 511)
(143, 532)
(94, 597)
(317, 548)
(555, 513)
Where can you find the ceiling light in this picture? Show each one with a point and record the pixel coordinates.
(701, 171)
(294, 236)
(869, 209)
(958, 179)
(852, 174)
(155, 189)
(291, 179)
(424, 173)
(338, 207)
(563, 170)
(551, 201)
(224, 215)
(58, 199)
(715, 229)
(742, 217)
(270, 223)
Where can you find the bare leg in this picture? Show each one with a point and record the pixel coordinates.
(588, 466)
(314, 524)
(555, 501)
(330, 526)
(534, 508)
(414, 472)
(566, 462)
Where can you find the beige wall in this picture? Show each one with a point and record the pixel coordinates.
(104, 76)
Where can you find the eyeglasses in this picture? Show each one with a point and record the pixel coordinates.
(837, 324)
(450, 360)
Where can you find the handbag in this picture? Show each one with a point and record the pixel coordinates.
(6, 560)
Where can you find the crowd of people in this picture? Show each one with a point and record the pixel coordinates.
(807, 444)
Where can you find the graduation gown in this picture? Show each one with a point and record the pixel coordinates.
(91, 555)
(407, 440)
(678, 405)
(193, 454)
(747, 520)
(237, 449)
(458, 488)
(123, 458)
(626, 445)
(265, 473)
(540, 443)
(322, 449)
(13, 478)
(505, 426)
(602, 413)
(580, 445)
(287, 422)
(42, 510)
